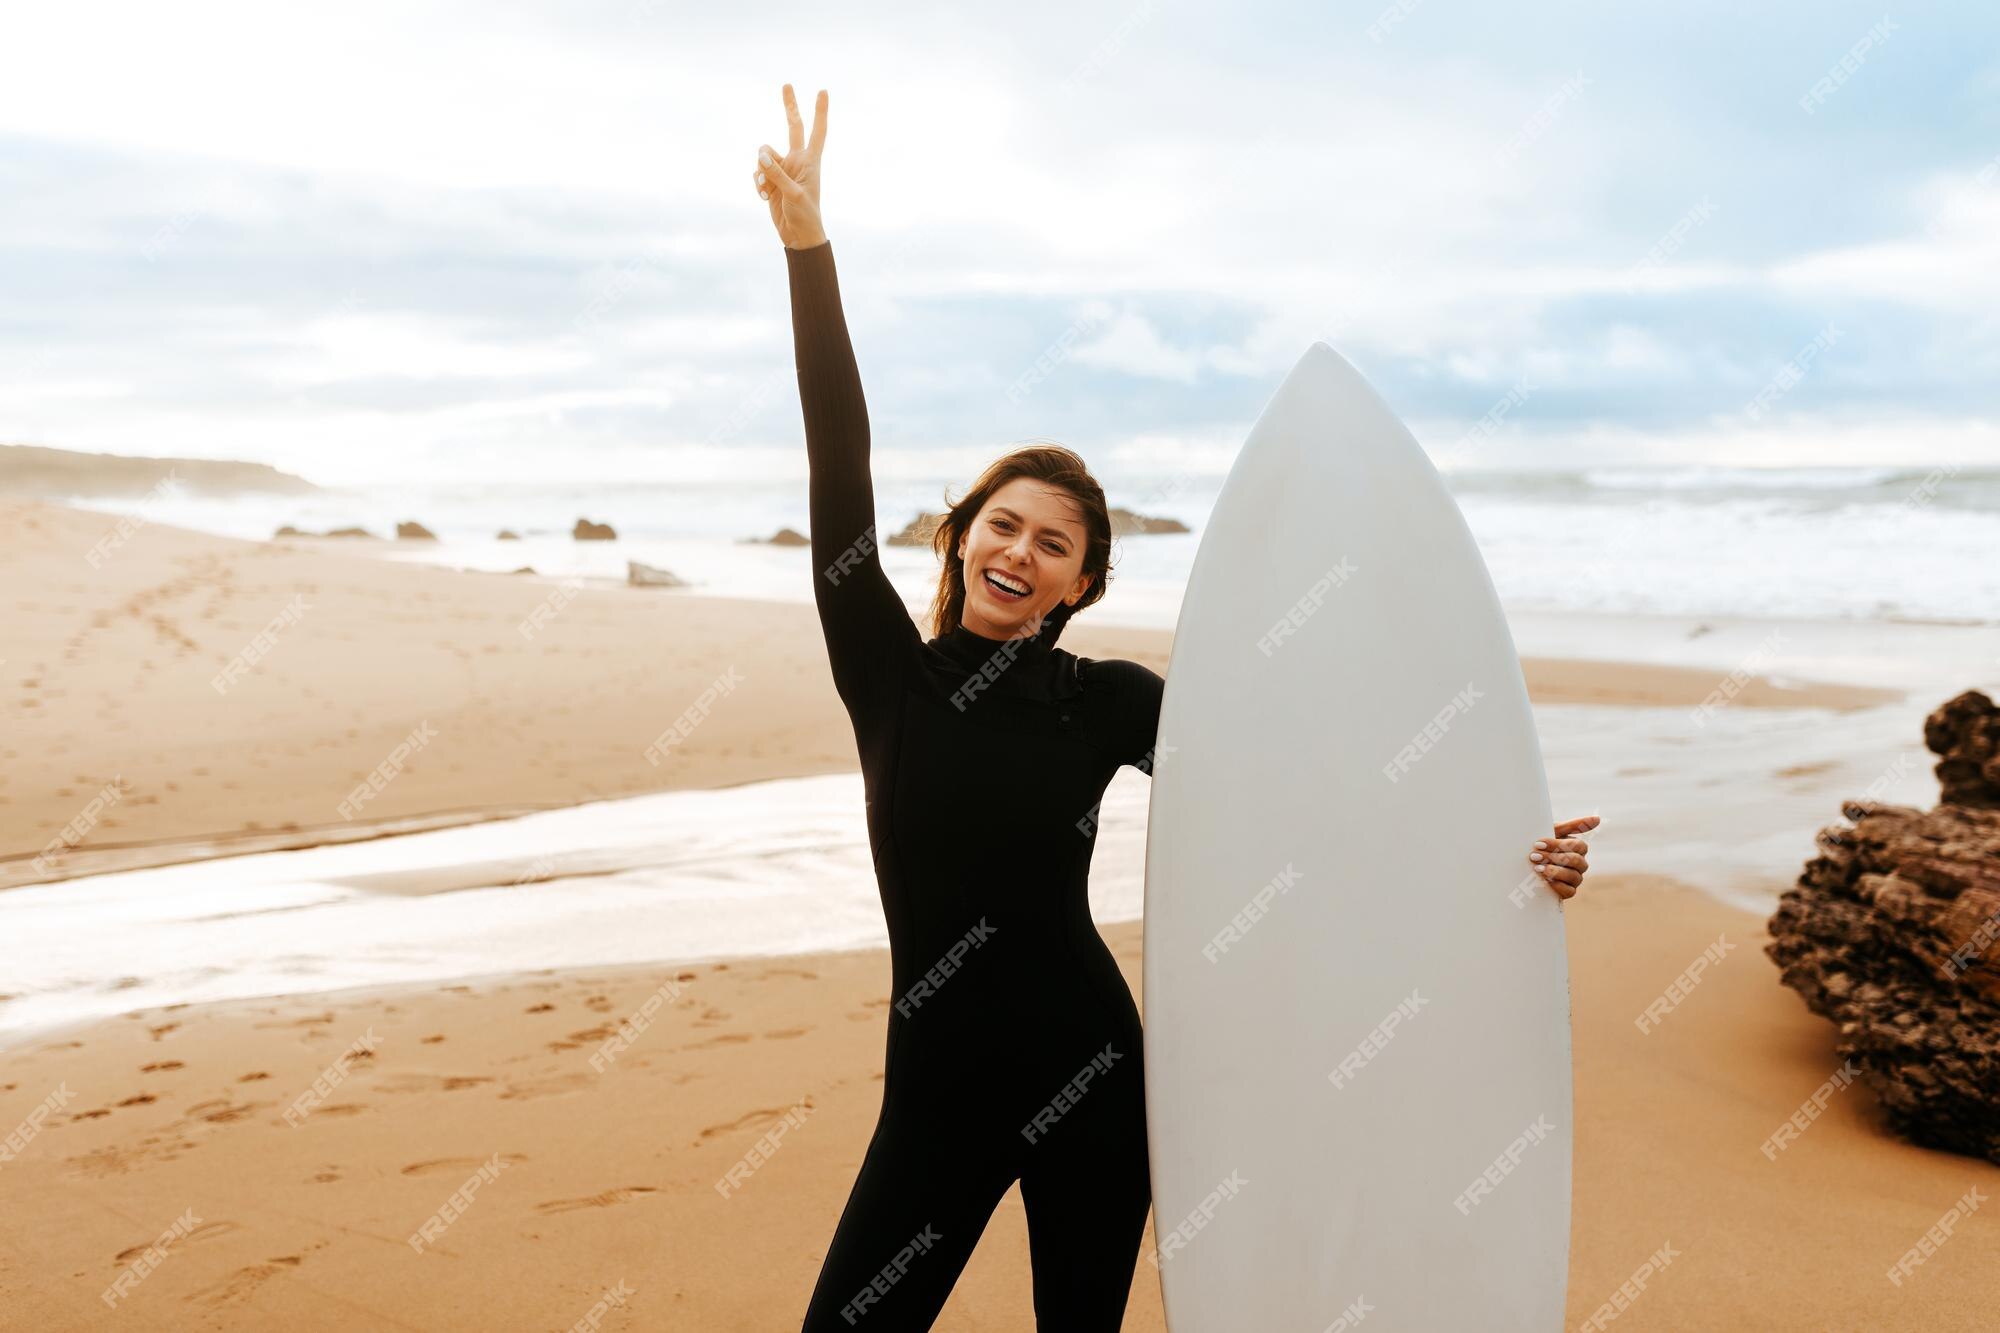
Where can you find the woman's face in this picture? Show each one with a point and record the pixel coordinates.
(1028, 534)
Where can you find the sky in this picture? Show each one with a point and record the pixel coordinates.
(431, 241)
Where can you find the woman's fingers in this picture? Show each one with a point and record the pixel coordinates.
(819, 126)
(771, 173)
(1561, 862)
(798, 133)
(1583, 825)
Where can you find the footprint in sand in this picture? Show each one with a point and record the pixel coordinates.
(719, 1039)
(553, 1086)
(246, 1280)
(538, 1009)
(433, 1039)
(460, 1164)
(206, 1231)
(757, 1116)
(162, 1030)
(159, 1065)
(605, 1200)
(222, 1111)
(253, 1077)
(140, 1100)
(783, 1033)
(598, 1004)
(414, 1082)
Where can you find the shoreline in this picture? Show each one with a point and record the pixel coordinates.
(537, 703)
(1574, 681)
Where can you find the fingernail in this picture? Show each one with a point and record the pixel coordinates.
(764, 156)
(1541, 844)
(760, 181)
(1534, 856)
(763, 194)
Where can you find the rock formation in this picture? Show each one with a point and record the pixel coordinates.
(1893, 933)
(289, 531)
(414, 532)
(646, 576)
(1966, 732)
(1124, 523)
(586, 531)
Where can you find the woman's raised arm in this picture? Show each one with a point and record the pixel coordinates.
(868, 630)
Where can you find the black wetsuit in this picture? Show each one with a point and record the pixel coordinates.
(1014, 1044)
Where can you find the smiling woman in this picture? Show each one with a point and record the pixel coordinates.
(1031, 539)
(1014, 1051)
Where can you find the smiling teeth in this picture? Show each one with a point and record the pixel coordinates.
(1006, 583)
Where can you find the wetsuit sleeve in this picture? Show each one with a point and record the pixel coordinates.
(1147, 688)
(1138, 690)
(868, 630)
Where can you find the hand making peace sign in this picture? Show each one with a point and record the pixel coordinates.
(791, 182)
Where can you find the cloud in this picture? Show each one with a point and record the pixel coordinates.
(403, 232)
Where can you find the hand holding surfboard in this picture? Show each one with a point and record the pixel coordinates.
(1560, 861)
(790, 183)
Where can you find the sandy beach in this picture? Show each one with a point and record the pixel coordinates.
(604, 1177)
(281, 1151)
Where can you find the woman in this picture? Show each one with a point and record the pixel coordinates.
(1014, 1044)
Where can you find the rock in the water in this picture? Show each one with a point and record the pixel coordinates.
(1124, 523)
(289, 531)
(414, 532)
(1893, 933)
(525, 569)
(646, 576)
(790, 537)
(509, 535)
(917, 532)
(586, 531)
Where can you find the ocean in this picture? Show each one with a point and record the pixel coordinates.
(1886, 542)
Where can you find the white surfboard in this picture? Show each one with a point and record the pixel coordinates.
(1356, 993)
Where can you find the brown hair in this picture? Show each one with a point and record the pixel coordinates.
(1049, 463)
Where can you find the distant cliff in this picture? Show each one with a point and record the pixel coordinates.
(30, 472)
